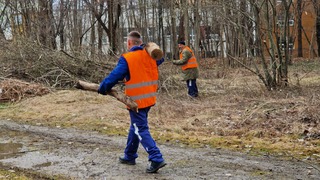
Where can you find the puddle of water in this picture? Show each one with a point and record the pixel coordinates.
(8, 150)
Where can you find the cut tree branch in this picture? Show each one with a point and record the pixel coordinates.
(119, 96)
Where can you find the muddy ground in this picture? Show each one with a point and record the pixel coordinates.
(75, 154)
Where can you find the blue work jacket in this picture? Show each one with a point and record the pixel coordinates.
(120, 72)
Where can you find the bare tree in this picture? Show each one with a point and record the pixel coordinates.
(272, 40)
(299, 19)
(76, 24)
(184, 26)
(254, 34)
(182, 21)
(2, 21)
(46, 25)
(113, 9)
(161, 36)
(93, 36)
(196, 27)
(173, 29)
(316, 5)
(61, 24)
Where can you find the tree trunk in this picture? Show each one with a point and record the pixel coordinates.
(161, 28)
(45, 21)
(299, 11)
(25, 26)
(114, 12)
(100, 29)
(173, 31)
(77, 25)
(186, 22)
(2, 36)
(287, 35)
(197, 20)
(182, 24)
(318, 33)
(61, 25)
(92, 37)
(316, 5)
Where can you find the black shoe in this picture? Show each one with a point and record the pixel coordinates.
(124, 161)
(154, 166)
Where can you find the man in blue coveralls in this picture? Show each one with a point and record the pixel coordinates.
(140, 73)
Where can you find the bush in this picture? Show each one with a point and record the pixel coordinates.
(28, 61)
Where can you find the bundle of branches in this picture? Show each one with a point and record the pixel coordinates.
(26, 60)
(12, 90)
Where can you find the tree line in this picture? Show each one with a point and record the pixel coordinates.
(256, 34)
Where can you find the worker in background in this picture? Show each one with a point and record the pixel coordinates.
(189, 66)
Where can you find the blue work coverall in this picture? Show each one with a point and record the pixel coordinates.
(139, 129)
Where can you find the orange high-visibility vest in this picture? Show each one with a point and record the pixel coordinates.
(143, 83)
(192, 62)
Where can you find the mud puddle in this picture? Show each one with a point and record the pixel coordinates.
(8, 150)
(78, 154)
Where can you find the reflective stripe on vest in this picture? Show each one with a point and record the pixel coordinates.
(130, 86)
(143, 83)
(192, 62)
(139, 85)
(144, 96)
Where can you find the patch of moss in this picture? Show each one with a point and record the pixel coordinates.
(19, 174)
(3, 105)
(284, 146)
(10, 174)
(261, 173)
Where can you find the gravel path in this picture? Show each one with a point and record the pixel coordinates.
(78, 154)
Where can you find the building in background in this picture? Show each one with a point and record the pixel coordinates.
(307, 29)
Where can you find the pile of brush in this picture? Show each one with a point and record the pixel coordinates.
(13, 90)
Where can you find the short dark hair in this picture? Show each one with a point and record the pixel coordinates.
(135, 36)
(182, 42)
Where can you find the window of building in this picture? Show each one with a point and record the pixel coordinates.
(291, 22)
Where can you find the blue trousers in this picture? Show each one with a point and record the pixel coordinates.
(192, 87)
(139, 133)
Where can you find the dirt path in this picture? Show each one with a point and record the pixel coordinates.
(88, 155)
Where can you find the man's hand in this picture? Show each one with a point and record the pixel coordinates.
(102, 90)
(174, 61)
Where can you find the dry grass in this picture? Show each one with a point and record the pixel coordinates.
(234, 111)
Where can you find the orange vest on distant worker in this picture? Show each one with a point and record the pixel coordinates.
(143, 83)
(192, 62)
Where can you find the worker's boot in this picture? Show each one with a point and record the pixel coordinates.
(155, 166)
(125, 161)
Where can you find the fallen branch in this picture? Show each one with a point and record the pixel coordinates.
(119, 96)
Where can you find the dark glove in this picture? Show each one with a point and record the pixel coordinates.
(102, 90)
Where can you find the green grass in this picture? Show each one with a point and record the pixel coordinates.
(4, 105)
(10, 174)
(17, 174)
